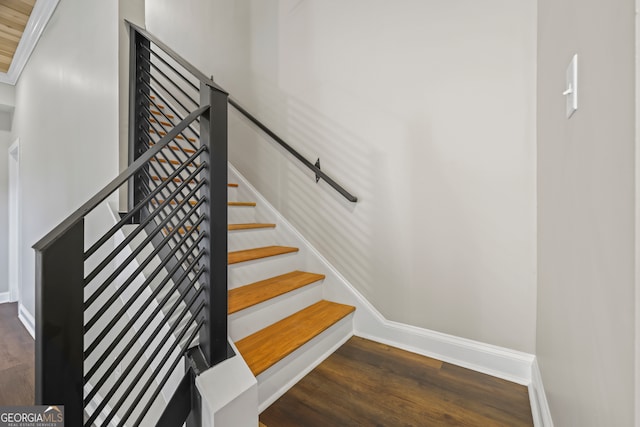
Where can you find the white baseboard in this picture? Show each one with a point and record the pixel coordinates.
(538, 398)
(496, 361)
(5, 297)
(369, 323)
(27, 320)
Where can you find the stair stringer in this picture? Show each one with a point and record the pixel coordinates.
(368, 322)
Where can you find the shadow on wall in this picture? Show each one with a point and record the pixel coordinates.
(342, 231)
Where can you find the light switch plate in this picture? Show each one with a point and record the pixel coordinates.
(571, 88)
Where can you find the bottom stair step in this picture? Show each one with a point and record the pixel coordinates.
(270, 345)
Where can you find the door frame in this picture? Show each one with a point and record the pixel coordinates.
(15, 266)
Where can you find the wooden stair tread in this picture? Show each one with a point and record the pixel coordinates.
(264, 290)
(249, 226)
(173, 162)
(193, 203)
(152, 120)
(162, 133)
(261, 425)
(175, 148)
(249, 204)
(182, 230)
(268, 346)
(158, 113)
(176, 180)
(259, 253)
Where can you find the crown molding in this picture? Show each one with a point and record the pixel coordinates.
(42, 11)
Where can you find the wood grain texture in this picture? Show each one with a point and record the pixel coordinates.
(270, 345)
(259, 253)
(17, 359)
(161, 133)
(175, 148)
(158, 113)
(175, 162)
(193, 203)
(264, 290)
(14, 15)
(176, 180)
(152, 120)
(250, 226)
(367, 383)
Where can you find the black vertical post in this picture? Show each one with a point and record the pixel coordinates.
(213, 134)
(59, 323)
(139, 70)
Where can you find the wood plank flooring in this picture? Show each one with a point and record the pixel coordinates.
(369, 384)
(17, 362)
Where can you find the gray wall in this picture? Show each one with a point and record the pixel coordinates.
(423, 109)
(67, 120)
(585, 321)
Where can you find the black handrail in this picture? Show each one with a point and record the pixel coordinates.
(208, 81)
(319, 174)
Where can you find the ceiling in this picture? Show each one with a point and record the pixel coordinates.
(14, 15)
(22, 22)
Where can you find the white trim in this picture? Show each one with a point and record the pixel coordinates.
(14, 273)
(4, 297)
(27, 320)
(369, 323)
(42, 11)
(538, 398)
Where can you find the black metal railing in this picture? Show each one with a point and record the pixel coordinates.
(315, 167)
(119, 311)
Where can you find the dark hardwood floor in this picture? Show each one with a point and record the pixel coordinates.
(369, 384)
(16, 359)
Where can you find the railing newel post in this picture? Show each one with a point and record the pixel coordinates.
(138, 73)
(59, 375)
(213, 134)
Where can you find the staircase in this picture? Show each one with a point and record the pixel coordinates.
(134, 309)
(276, 311)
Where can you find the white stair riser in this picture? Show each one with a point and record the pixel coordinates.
(253, 271)
(275, 381)
(253, 319)
(232, 194)
(241, 214)
(255, 238)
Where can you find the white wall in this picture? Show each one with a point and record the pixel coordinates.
(7, 95)
(5, 142)
(425, 110)
(67, 120)
(585, 327)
